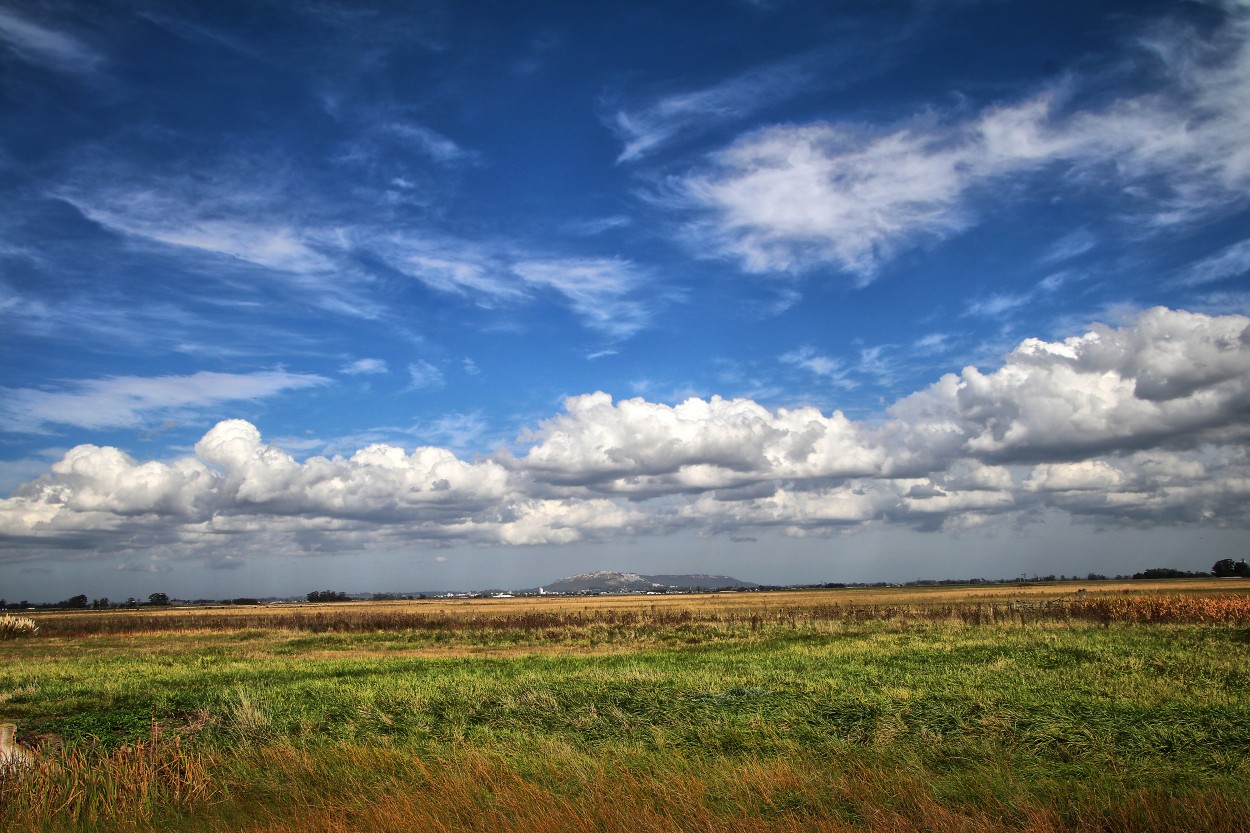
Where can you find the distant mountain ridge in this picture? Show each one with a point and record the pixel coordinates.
(610, 581)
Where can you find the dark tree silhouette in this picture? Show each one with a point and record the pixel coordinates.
(326, 596)
(1227, 568)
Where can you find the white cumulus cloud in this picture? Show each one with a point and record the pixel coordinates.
(1142, 424)
(636, 446)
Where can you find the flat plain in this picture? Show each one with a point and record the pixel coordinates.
(982, 707)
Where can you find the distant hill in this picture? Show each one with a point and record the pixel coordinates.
(607, 581)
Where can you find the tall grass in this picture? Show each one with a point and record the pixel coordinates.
(12, 627)
(88, 786)
(347, 788)
(477, 792)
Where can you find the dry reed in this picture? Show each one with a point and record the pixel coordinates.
(12, 626)
(87, 787)
(478, 792)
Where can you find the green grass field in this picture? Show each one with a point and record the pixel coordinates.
(796, 716)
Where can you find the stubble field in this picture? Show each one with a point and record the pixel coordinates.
(981, 708)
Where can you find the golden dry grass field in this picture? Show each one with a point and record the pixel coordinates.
(699, 605)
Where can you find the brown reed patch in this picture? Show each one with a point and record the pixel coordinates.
(87, 787)
(479, 792)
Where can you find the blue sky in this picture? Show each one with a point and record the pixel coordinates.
(431, 295)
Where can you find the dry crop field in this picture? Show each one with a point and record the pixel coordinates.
(977, 708)
(1042, 600)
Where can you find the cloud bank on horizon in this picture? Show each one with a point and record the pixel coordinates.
(792, 270)
(1144, 424)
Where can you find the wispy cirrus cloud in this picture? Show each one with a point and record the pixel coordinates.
(597, 225)
(318, 240)
(204, 214)
(879, 365)
(431, 143)
(998, 304)
(318, 260)
(114, 322)
(833, 369)
(1230, 262)
(231, 220)
(425, 376)
(93, 318)
(130, 401)
(364, 367)
(1071, 245)
(601, 291)
(43, 46)
(790, 198)
(478, 269)
(648, 125)
(644, 130)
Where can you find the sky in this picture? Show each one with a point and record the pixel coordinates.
(392, 297)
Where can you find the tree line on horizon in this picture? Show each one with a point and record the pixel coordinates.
(1224, 568)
